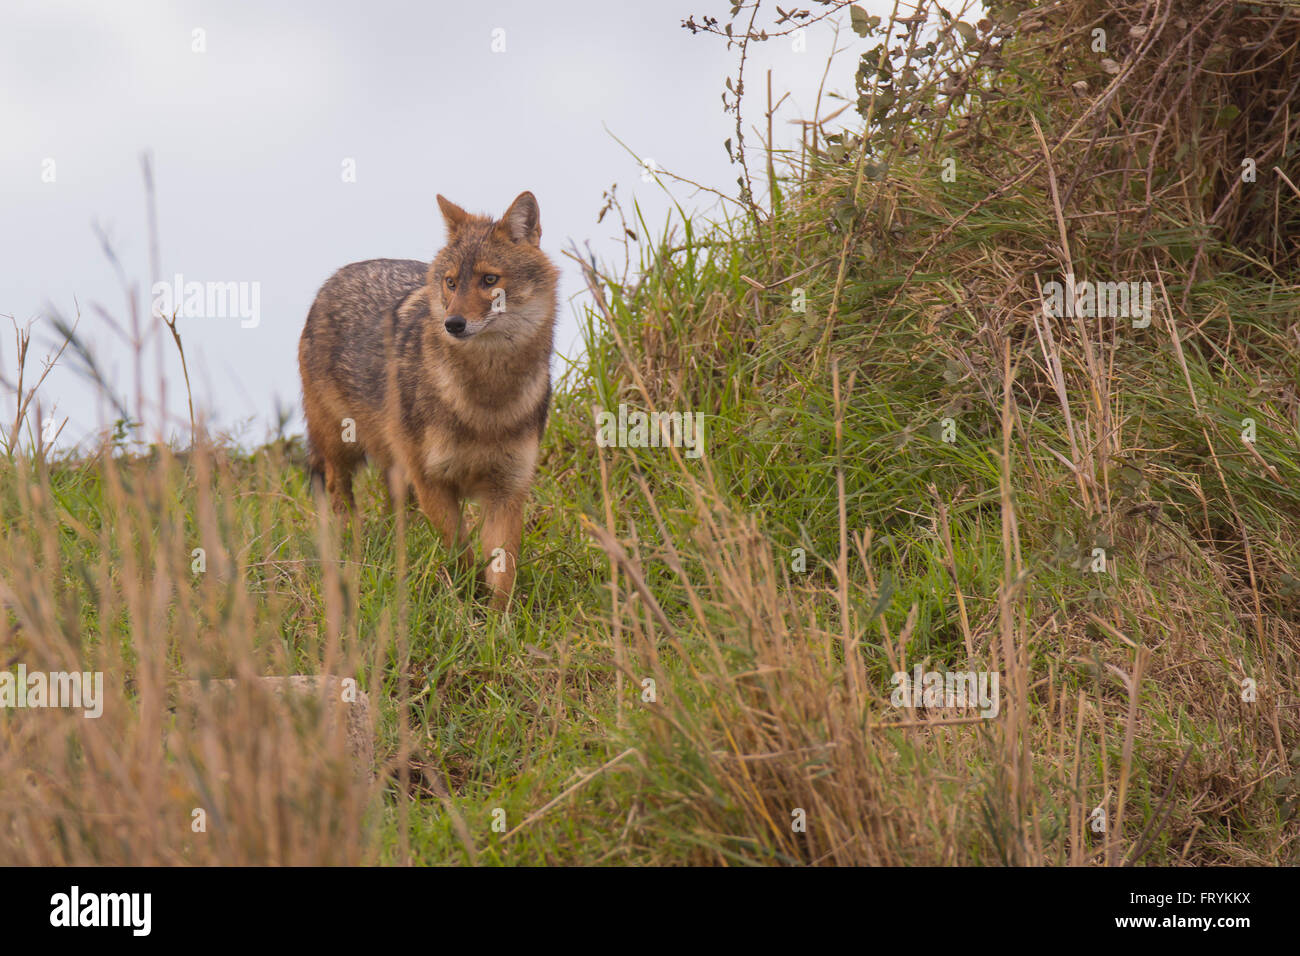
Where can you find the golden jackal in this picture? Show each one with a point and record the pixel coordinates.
(440, 374)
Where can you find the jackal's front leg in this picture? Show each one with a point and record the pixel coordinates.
(503, 526)
(442, 507)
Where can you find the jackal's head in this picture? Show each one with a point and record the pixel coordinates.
(492, 279)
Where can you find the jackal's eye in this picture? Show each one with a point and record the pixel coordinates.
(490, 279)
(451, 283)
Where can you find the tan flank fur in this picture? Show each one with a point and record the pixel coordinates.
(440, 374)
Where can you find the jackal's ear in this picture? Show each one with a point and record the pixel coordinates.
(454, 216)
(522, 220)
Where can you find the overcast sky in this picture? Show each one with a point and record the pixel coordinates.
(252, 136)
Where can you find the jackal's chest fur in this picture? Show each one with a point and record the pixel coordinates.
(477, 469)
(484, 441)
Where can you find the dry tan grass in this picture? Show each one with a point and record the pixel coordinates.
(271, 775)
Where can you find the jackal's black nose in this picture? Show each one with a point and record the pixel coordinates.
(455, 325)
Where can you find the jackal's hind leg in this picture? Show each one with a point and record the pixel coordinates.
(338, 482)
